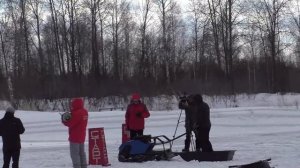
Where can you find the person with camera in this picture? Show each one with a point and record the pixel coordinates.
(77, 121)
(199, 120)
(183, 104)
(135, 116)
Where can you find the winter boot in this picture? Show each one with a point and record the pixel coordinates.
(185, 150)
(186, 146)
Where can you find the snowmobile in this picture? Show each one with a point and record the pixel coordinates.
(148, 148)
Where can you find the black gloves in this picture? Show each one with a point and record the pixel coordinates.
(138, 115)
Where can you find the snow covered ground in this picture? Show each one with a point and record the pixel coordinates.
(254, 132)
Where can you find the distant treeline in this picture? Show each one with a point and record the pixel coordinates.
(95, 48)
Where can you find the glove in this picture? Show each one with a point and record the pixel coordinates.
(138, 115)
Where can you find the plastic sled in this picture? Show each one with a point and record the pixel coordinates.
(207, 156)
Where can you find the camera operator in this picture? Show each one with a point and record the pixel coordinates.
(183, 104)
(197, 120)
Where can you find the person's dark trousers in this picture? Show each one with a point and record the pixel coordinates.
(187, 141)
(7, 155)
(135, 133)
(202, 140)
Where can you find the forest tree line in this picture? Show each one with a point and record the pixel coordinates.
(94, 48)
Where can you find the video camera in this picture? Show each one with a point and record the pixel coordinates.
(183, 98)
(183, 102)
(65, 116)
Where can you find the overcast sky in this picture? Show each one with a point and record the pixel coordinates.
(182, 3)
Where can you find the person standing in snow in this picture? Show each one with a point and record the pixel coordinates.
(201, 123)
(198, 118)
(10, 130)
(183, 105)
(77, 124)
(135, 116)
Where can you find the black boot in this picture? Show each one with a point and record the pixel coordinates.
(185, 150)
(186, 146)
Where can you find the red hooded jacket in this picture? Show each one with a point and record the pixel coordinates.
(135, 116)
(78, 122)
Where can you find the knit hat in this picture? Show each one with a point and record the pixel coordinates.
(10, 110)
(135, 96)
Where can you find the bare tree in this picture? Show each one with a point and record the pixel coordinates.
(215, 19)
(6, 49)
(227, 36)
(269, 15)
(128, 27)
(71, 8)
(252, 51)
(95, 6)
(295, 28)
(200, 21)
(118, 14)
(176, 30)
(164, 9)
(224, 17)
(115, 33)
(55, 30)
(36, 7)
(25, 29)
(164, 6)
(100, 43)
(144, 68)
(3, 46)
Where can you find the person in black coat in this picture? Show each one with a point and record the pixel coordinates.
(10, 130)
(201, 123)
(183, 104)
(197, 120)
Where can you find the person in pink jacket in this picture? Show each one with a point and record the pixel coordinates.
(135, 116)
(77, 131)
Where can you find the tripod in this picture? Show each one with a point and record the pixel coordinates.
(178, 121)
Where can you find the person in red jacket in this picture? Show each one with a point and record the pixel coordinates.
(135, 116)
(77, 124)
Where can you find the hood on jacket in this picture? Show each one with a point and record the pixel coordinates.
(9, 115)
(198, 98)
(10, 110)
(77, 103)
(135, 97)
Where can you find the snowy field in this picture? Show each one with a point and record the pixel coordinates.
(254, 132)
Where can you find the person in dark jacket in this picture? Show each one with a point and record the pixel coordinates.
(77, 124)
(10, 130)
(201, 123)
(135, 116)
(183, 104)
(198, 113)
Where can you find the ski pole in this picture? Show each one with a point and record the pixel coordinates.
(176, 126)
